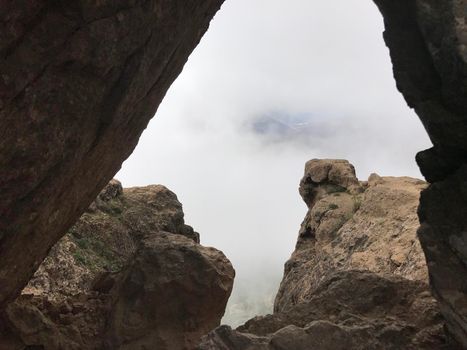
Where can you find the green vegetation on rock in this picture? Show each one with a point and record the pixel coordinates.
(95, 255)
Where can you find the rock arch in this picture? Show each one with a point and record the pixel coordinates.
(79, 81)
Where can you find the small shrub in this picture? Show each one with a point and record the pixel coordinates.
(95, 254)
(333, 206)
(79, 258)
(83, 243)
(357, 203)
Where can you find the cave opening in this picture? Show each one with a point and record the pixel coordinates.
(268, 88)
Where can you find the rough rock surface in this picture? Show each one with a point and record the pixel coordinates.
(351, 225)
(79, 82)
(174, 292)
(129, 275)
(428, 44)
(106, 236)
(349, 310)
(357, 278)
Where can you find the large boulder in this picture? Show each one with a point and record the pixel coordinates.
(106, 236)
(130, 274)
(79, 82)
(174, 292)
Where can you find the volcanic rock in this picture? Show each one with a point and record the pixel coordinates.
(350, 225)
(79, 82)
(427, 40)
(129, 275)
(349, 310)
(357, 278)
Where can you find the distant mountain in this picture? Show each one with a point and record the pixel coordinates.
(285, 127)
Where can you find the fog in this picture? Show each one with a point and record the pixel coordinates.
(273, 84)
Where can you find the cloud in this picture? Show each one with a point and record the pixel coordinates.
(271, 85)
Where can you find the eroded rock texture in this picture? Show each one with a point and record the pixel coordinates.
(357, 278)
(427, 41)
(351, 225)
(349, 310)
(79, 81)
(129, 275)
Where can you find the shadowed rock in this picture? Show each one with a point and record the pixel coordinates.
(427, 41)
(174, 292)
(79, 82)
(349, 310)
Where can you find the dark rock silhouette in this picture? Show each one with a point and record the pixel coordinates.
(427, 41)
(79, 82)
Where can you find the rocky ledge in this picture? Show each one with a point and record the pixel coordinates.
(129, 275)
(357, 278)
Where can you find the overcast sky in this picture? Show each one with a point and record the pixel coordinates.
(273, 84)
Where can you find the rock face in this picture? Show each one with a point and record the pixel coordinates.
(351, 225)
(427, 41)
(349, 310)
(79, 81)
(174, 292)
(129, 275)
(357, 278)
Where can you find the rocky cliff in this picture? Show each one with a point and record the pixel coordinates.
(357, 278)
(79, 82)
(352, 225)
(129, 275)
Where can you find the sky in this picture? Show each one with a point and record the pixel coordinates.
(273, 84)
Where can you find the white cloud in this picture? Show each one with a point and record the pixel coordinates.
(322, 59)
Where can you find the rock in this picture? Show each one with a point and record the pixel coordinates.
(224, 338)
(427, 42)
(130, 274)
(37, 322)
(174, 292)
(357, 278)
(349, 310)
(443, 234)
(107, 236)
(350, 227)
(79, 82)
(327, 175)
(113, 190)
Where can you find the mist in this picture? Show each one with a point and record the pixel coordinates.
(271, 85)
